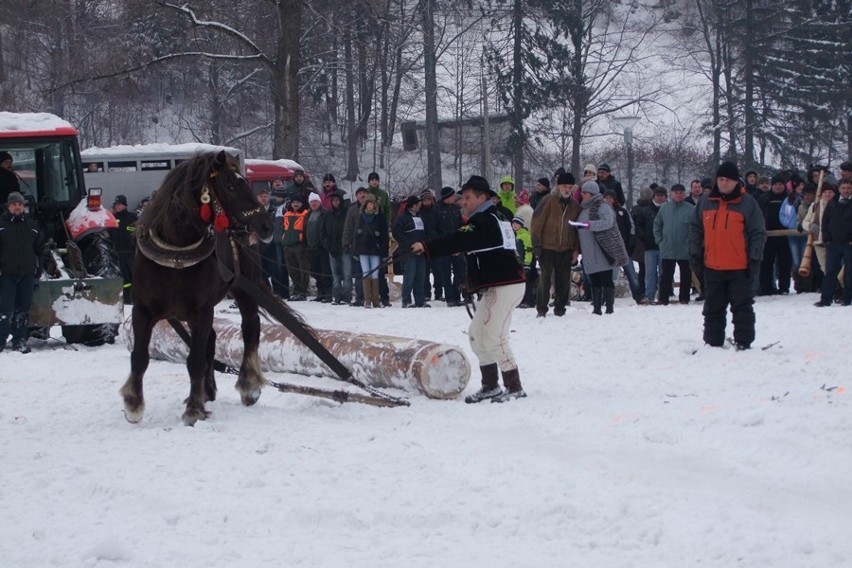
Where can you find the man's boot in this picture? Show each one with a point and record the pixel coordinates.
(609, 299)
(597, 299)
(490, 384)
(512, 382)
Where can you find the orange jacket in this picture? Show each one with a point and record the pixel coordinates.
(294, 227)
(727, 232)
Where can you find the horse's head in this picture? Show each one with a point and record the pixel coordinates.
(236, 198)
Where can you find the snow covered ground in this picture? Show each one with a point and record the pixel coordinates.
(637, 447)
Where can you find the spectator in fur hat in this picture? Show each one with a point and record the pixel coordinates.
(555, 244)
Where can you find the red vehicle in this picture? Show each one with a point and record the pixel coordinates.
(84, 293)
(261, 173)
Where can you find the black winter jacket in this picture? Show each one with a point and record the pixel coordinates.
(122, 236)
(449, 218)
(488, 262)
(643, 219)
(407, 230)
(371, 235)
(837, 223)
(21, 246)
(332, 230)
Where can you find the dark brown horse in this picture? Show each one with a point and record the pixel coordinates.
(197, 233)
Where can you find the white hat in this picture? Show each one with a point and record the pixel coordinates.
(313, 197)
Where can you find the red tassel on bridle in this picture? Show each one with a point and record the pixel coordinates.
(221, 223)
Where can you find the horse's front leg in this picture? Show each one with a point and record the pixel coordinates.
(134, 399)
(210, 389)
(251, 379)
(197, 365)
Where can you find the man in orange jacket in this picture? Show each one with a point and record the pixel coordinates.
(727, 235)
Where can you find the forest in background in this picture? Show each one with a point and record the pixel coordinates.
(328, 83)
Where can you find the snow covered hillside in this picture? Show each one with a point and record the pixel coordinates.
(638, 446)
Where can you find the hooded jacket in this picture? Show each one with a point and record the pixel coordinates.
(727, 231)
(507, 198)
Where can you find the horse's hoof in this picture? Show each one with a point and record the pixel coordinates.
(191, 416)
(250, 397)
(134, 416)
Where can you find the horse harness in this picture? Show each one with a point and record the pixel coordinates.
(220, 239)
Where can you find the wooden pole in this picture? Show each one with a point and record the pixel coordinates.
(807, 256)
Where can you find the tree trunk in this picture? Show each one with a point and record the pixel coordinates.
(433, 150)
(285, 81)
(518, 104)
(351, 125)
(748, 72)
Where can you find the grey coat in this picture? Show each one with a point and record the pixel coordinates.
(671, 229)
(601, 235)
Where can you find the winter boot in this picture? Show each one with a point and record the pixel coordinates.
(368, 292)
(377, 298)
(609, 299)
(597, 299)
(512, 382)
(490, 384)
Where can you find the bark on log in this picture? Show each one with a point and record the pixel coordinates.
(437, 370)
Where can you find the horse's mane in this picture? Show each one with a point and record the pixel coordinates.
(173, 211)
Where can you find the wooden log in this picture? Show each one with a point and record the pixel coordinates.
(437, 370)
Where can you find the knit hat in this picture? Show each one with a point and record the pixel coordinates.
(314, 197)
(605, 167)
(591, 168)
(565, 178)
(706, 183)
(15, 197)
(518, 220)
(728, 170)
(329, 177)
(427, 194)
(298, 172)
(761, 180)
(412, 200)
(777, 178)
(545, 182)
(591, 187)
(372, 176)
(610, 193)
(5, 156)
(120, 199)
(479, 183)
(523, 197)
(447, 192)
(660, 190)
(297, 197)
(750, 172)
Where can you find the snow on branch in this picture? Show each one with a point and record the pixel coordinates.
(219, 26)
